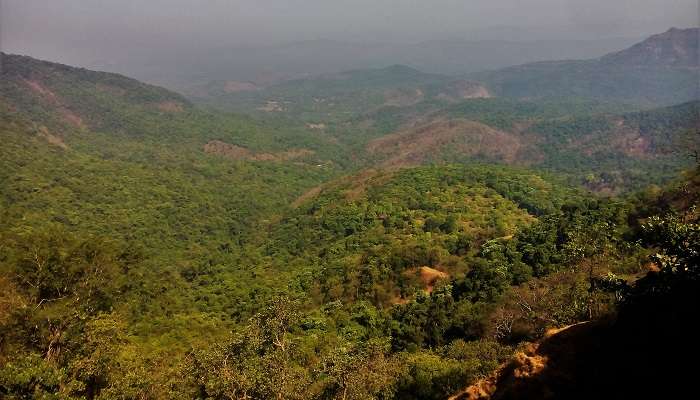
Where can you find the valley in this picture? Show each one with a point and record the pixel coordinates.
(372, 234)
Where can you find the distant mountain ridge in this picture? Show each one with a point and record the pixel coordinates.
(673, 48)
(179, 69)
(661, 70)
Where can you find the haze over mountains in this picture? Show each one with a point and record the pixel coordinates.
(267, 64)
(172, 41)
(660, 70)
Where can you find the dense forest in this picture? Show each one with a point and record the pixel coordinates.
(382, 234)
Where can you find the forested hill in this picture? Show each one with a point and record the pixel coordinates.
(76, 98)
(67, 101)
(661, 70)
(605, 151)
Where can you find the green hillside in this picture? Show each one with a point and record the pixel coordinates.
(141, 179)
(596, 145)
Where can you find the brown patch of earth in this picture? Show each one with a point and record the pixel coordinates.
(237, 86)
(308, 195)
(69, 116)
(228, 150)
(536, 366)
(73, 119)
(52, 139)
(464, 90)
(429, 277)
(42, 91)
(624, 139)
(461, 137)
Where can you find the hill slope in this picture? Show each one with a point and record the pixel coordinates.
(76, 98)
(602, 150)
(96, 155)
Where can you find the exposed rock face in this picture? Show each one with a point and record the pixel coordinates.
(673, 48)
(538, 370)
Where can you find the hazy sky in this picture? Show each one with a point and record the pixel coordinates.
(66, 30)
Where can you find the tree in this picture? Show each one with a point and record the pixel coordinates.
(362, 371)
(259, 362)
(68, 286)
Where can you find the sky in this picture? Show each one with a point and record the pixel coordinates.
(92, 31)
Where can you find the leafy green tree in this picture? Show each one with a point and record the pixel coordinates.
(362, 371)
(259, 362)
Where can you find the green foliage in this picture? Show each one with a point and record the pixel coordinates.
(30, 377)
(441, 373)
(678, 239)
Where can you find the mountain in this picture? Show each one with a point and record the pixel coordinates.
(67, 100)
(674, 48)
(662, 70)
(76, 98)
(398, 116)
